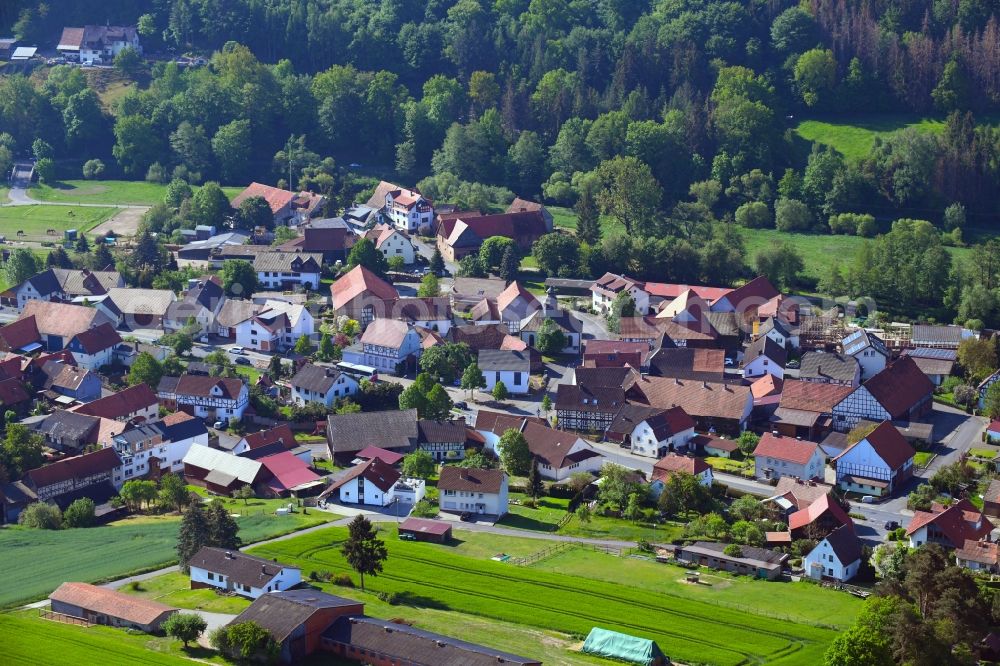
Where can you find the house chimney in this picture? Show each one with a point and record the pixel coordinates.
(704, 385)
(263, 569)
(229, 554)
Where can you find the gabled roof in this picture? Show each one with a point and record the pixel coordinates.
(672, 463)
(71, 39)
(374, 470)
(937, 334)
(12, 393)
(765, 346)
(900, 386)
(607, 377)
(276, 198)
(288, 471)
(391, 429)
(983, 552)
(111, 603)
(888, 443)
(801, 492)
(236, 468)
(315, 378)
(688, 363)
(767, 386)
(861, 339)
(123, 403)
(237, 566)
(235, 311)
(553, 446)
(388, 457)
(835, 366)
(816, 397)
(845, 544)
(152, 302)
(281, 433)
(698, 399)
(357, 281)
(20, 333)
(98, 339)
(436, 432)
(471, 479)
(798, 451)
(77, 467)
(389, 333)
(503, 360)
(377, 199)
(959, 522)
(202, 385)
(499, 422)
(612, 283)
(579, 398)
(667, 290)
(281, 613)
(471, 231)
(305, 262)
(933, 361)
(824, 507)
(62, 319)
(514, 291)
(752, 295)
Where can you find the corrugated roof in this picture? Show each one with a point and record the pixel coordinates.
(242, 469)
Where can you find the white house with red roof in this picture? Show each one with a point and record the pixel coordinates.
(837, 557)
(877, 464)
(607, 287)
(993, 432)
(392, 243)
(777, 456)
(384, 345)
(276, 327)
(949, 526)
(748, 298)
(408, 210)
(289, 208)
(671, 464)
(372, 482)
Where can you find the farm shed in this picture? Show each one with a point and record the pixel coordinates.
(422, 529)
(99, 605)
(614, 645)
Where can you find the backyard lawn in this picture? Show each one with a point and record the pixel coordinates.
(174, 589)
(123, 192)
(428, 576)
(37, 220)
(921, 458)
(730, 466)
(46, 558)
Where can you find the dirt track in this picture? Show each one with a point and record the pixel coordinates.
(124, 223)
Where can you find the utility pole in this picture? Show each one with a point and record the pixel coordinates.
(288, 150)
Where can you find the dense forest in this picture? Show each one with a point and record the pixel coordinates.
(672, 118)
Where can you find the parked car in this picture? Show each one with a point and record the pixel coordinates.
(242, 360)
(793, 364)
(461, 404)
(868, 499)
(466, 517)
(219, 425)
(238, 350)
(892, 525)
(730, 362)
(406, 536)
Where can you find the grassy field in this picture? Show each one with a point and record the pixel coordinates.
(730, 465)
(30, 640)
(855, 138)
(130, 192)
(550, 510)
(921, 458)
(174, 589)
(36, 220)
(687, 629)
(47, 558)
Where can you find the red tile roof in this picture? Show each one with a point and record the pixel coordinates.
(357, 281)
(77, 467)
(698, 399)
(499, 422)
(282, 433)
(900, 386)
(276, 198)
(611, 283)
(823, 506)
(289, 471)
(63, 319)
(889, 444)
(671, 291)
(98, 338)
(369, 452)
(374, 471)
(672, 463)
(752, 295)
(12, 392)
(112, 603)
(798, 451)
(994, 426)
(812, 396)
(471, 479)
(123, 403)
(957, 522)
(550, 445)
(765, 386)
(511, 294)
(201, 386)
(19, 333)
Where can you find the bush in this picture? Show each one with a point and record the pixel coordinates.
(792, 215)
(390, 598)
(867, 227)
(424, 509)
(754, 215)
(93, 169)
(733, 550)
(46, 170)
(321, 576)
(80, 513)
(343, 580)
(41, 516)
(848, 223)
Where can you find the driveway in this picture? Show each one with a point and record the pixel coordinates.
(214, 621)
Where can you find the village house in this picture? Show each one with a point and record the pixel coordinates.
(510, 307)
(937, 364)
(563, 320)
(201, 304)
(64, 284)
(614, 354)
(608, 286)
(876, 465)
(58, 323)
(88, 475)
(431, 313)
(837, 557)
(135, 404)
(752, 561)
(463, 236)
(830, 368)
(467, 292)
(651, 431)
(513, 368)
(900, 392)
(276, 326)
(687, 363)
(288, 270)
(479, 491)
(519, 205)
(101, 605)
(869, 350)
(588, 408)
(94, 347)
(288, 208)
(157, 448)
(361, 295)
(391, 243)
(806, 408)
(715, 407)
(407, 210)
(221, 398)
(949, 526)
(659, 333)
(331, 237)
(984, 387)
(133, 309)
(393, 430)
(560, 454)
(672, 464)
(387, 345)
(764, 356)
(14, 397)
(239, 573)
(67, 384)
(371, 483)
(748, 298)
(780, 331)
(819, 518)
(979, 555)
(777, 456)
(97, 44)
(443, 440)
(321, 384)
(221, 472)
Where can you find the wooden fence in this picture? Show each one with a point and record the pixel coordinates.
(65, 619)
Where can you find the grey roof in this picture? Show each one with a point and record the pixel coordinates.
(765, 346)
(845, 544)
(725, 323)
(141, 301)
(758, 557)
(281, 613)
(329, 223)
(315, 378)
(235, 311)
(860, 339)
(222, 463)
(283, 261)
(939, 334)
(219, 240)
(774, 324)
(821, 365)
(406, 644)
(392, 429)
(501, 359)
(75, 282)
(566, 321)
(63, 424)
(441, 431)
(237, 566)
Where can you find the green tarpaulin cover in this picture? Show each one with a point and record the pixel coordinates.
(607, 643)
